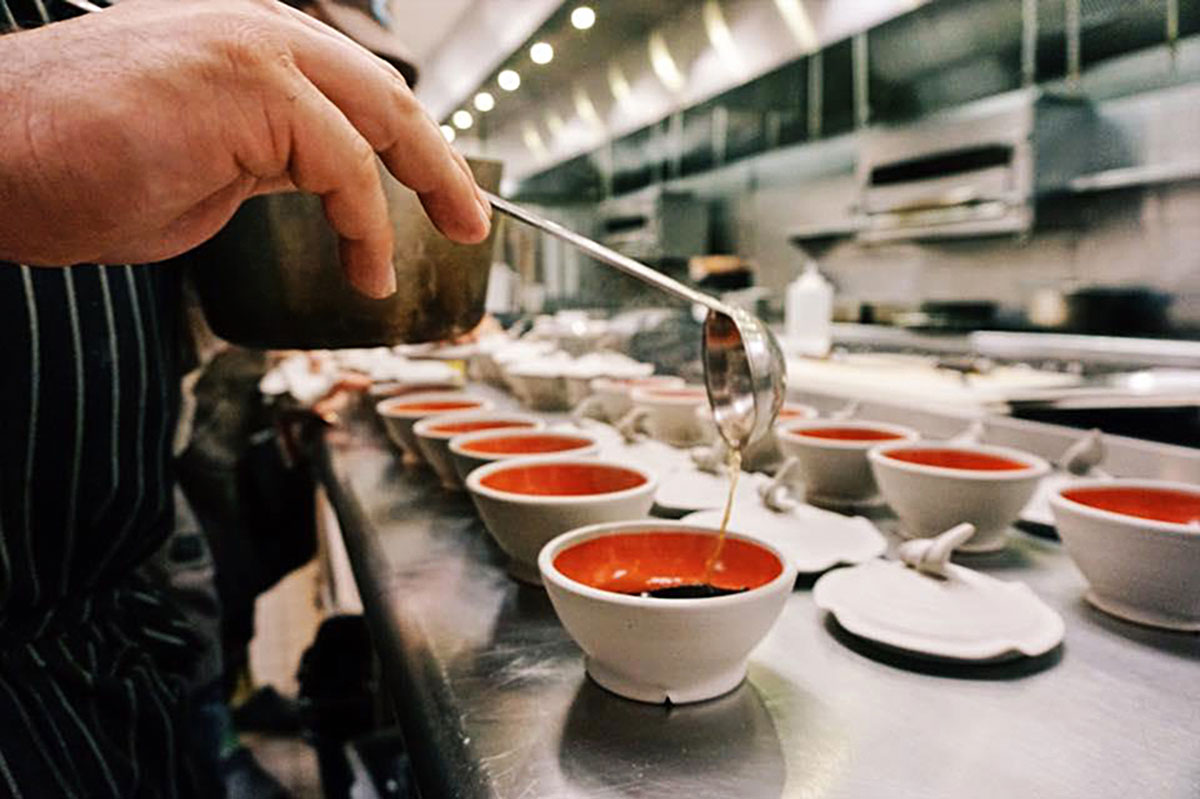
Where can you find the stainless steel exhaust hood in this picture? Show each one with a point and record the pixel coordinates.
(978, 169)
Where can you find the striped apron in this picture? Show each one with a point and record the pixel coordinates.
(92, 659)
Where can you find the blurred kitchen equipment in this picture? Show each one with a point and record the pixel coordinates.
(271, 278)
(721, 272)
(1117, 310)
(656, 226)
(744, 368)
(977, 169)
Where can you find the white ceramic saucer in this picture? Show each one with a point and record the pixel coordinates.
(689, 489)
(965, 616)
(813, 539)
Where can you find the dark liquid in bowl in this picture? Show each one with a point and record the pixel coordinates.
(526, 445)
(696, 591)
(958, 459)
(473, 427)
(564, 479)
(848, 433)
(668, 564)
(1158, 504)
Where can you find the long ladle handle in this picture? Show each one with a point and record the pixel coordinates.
(604, 254)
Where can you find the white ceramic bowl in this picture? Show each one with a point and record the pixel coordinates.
(930, 499)
(610, 396)
(835, 471)
(580, 374)
(399, 414)
(433, 434)
(471, 450)
(764, 454)
(661, 650)
(1145, 570)
(540, 390)
(670, 413)
(522, 521)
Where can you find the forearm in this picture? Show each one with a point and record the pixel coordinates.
(17, 159)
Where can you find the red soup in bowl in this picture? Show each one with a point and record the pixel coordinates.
(835, 433)
(563, 479)
(458, 428)
(1157, 504)
(429, 407)
(653, 560)
(539, 444)
(948, 458)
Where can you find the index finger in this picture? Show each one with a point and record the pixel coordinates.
(377, 101)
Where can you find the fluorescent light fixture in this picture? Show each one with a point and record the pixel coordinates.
(664, 65)
(583, 18)
(484, 101)
(541, 53)
(462, 119)
(448, 133)
(721, 37)
(509, 80)
(621, 90)
(586, 109)
(799, 23)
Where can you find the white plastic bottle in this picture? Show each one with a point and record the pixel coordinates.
(808, 313)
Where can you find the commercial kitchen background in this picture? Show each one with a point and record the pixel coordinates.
(762, 111)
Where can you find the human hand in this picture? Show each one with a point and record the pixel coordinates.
(133, 134)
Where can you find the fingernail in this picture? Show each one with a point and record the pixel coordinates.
(485, 214)
(387, 285)
(484, 202)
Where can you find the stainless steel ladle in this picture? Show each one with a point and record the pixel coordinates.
(744, 369)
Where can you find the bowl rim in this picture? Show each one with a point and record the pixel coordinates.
(1036, 466)
(587, 376)
(561, 542)
(1059, 502)
(809, 413)
(459, 441)
(609, 383)
(644, 395)
(475, 485)
(485, 404)
(535, 371)
(784, 428)
(424, 426)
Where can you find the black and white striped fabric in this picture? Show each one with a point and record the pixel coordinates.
(90, 656)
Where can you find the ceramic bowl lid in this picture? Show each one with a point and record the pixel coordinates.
(813, 539)
(689, 489)
(963, 615)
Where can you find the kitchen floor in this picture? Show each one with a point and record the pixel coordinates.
(286, 620)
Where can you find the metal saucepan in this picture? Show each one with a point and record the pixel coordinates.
(272, 279)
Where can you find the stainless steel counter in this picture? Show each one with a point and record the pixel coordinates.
(494, 701)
